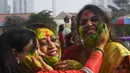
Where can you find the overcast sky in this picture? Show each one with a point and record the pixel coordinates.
(61, 5)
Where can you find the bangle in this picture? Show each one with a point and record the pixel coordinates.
(99, 50)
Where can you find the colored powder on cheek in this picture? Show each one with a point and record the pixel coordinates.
(80, 30)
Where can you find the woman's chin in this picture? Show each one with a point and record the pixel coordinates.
(91, 32)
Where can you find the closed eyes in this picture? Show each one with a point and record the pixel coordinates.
(45, 42)
(93, 19)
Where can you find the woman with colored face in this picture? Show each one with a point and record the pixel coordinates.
(92, 25)
(51, 51)
(88, 26)
(49, 45)
(49, 48)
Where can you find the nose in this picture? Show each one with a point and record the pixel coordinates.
(89, 23)
(50, 44)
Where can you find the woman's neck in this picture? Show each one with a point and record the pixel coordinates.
(89, 49)
(85, 53)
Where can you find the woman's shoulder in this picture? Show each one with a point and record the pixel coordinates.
(114, 44)
(72, 51)
(77, 46)
(114, 47)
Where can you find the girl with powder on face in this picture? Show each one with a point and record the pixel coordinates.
(91, 20)
(50, 49)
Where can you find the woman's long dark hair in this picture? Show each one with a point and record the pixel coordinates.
(15, 38)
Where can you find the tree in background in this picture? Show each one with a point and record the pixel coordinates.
(124, 9)
(115, 11)
(44, 18)
(14, 21)
(121, 3)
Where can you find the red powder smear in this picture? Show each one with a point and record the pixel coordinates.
(47, 34)
(87, 12)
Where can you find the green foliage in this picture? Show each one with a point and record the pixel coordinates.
(124, 8)
(121, 3)
(127, 30)
(44, 17)
(14, 21)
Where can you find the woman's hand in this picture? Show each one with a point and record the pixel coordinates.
(46, 67)
(39, 51)
(67, 65)
(103, 38)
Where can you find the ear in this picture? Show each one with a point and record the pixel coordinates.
(16, 55)
(15, 52)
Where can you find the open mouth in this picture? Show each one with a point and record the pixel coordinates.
(53, 52)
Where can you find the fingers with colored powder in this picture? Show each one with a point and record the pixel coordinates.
(106, 29)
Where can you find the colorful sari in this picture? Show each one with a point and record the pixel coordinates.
(113, 57)
(115, 54)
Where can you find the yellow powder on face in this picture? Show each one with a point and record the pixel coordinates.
(43, 33)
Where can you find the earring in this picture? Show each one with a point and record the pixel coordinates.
(18, 60)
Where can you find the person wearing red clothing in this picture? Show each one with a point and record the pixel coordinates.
(91, 66)
(91, 20)
(62, 37)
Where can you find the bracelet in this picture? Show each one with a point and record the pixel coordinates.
(99, 50)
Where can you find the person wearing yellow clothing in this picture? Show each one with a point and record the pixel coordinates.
(67, 26)
(91, 20)
(116, 59)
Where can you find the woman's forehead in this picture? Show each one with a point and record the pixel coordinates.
(44, 33)
(88, 13)
(51, 37)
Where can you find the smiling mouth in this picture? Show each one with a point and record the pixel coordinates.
(90, 32)
(53, 53)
